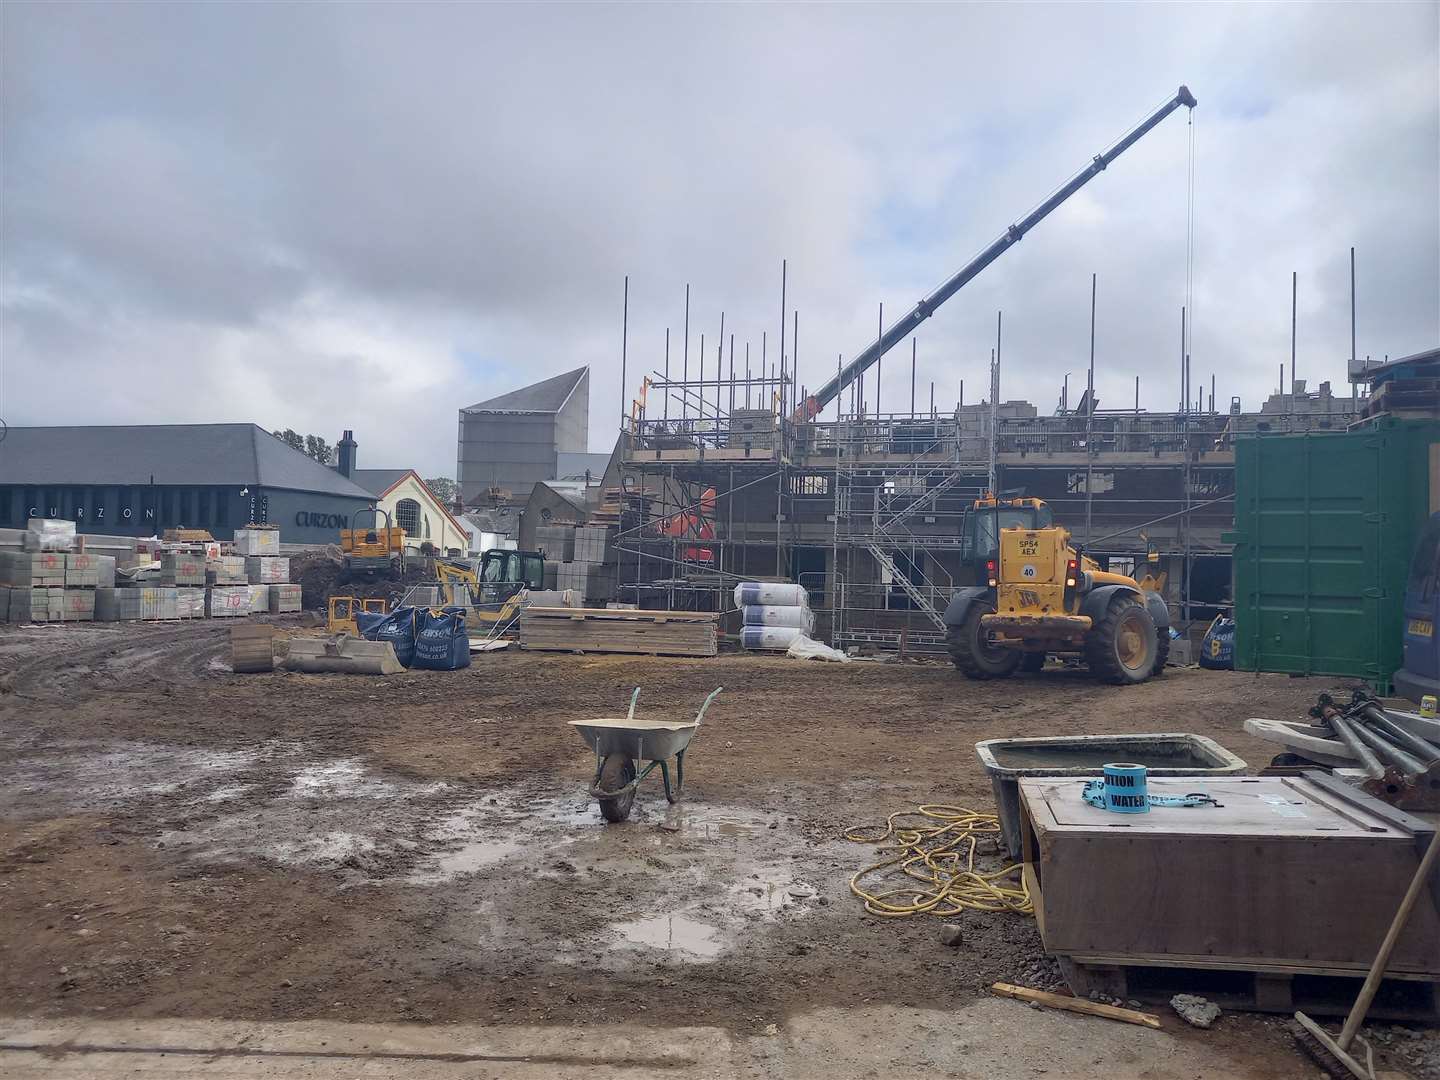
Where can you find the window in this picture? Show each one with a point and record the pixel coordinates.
(407, 516)
(427, 526)
(810, 484)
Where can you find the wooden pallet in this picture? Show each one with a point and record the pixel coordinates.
(1260, 988)
(604, 630)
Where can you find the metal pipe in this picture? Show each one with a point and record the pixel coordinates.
(1352, 320)
(685, 369)
(1368, 761)
(1383, 747)
(783, 272)
(624, 341)
(1375, 716)
(879, 360)
(1090, 420)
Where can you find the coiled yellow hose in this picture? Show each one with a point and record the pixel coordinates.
(937, 852)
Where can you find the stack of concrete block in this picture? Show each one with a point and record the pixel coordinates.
(267, 569)
(179, 568)
(148, 604)
(257, 541)
(87, 571)
(226, 601)
(572, 575)
(49, 534)
(556, 541)
(226, 570)
(190, 603)
(51, 586)
(284, 598)
(259, 599)
(590, 544)
(34, 605)
(32, 570)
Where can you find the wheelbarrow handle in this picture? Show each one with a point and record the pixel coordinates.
(712, 696)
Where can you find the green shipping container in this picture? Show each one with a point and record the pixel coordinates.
(1324, 528)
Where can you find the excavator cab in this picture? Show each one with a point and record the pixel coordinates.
(519, 568)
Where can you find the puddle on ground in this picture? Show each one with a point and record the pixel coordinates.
(678, 934)
(347, 778)
(712, 822)
(768, 891)
(326, 849)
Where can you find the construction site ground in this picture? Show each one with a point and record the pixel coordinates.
(327, 875)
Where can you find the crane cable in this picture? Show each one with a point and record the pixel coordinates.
(938, 853)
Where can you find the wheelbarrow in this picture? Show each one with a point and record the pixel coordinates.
(622, 743)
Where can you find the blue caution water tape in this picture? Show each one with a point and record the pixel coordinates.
(1095, 793)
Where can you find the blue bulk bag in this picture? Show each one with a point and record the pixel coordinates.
(1217, 648)
(398, 628)
(441, 643)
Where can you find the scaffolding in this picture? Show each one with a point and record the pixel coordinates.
(722, 483)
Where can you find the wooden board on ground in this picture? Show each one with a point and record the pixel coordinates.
(251, 648)
(606, 630)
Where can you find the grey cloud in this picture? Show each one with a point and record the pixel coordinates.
(309, 214)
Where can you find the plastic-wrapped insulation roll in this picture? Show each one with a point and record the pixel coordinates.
(770, 592)
(778, 615)
(769, 637)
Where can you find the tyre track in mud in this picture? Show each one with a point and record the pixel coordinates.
(118, 661)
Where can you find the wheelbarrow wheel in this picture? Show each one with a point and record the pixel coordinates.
(616, 771)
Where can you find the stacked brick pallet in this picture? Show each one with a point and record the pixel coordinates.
(581, 559)
(41, 584)
(266, 571)
(53, 579)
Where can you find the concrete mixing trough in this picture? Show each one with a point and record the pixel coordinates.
(1171, 754)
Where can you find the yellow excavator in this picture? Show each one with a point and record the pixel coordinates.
(1040, 595)
(497, 591)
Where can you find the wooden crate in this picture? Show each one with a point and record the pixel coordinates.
(1292, 875)
(605, 630)
(251, 648)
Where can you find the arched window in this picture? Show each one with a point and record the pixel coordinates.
(427, 526)
(407, 516)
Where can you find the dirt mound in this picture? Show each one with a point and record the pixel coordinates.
(322, 574)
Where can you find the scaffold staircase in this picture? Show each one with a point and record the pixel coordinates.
(914, 592)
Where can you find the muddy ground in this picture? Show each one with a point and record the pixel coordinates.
(177, 841)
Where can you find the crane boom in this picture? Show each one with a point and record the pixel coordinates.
(908, 323)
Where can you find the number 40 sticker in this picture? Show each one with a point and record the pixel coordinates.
(1028, 570)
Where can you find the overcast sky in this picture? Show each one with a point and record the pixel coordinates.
(326, 216)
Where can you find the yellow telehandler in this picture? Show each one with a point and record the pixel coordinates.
(1040, 596)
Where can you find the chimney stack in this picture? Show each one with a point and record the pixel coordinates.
(345, 453)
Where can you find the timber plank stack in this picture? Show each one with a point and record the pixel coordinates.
(605, 630)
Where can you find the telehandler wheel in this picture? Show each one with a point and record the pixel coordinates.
(1121, 648)
(1162, 650)
(971, 651)
(1032, 662)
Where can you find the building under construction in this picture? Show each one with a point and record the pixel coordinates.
(868, 511)
(740, 476)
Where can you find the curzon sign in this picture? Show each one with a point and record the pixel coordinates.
(307, 519)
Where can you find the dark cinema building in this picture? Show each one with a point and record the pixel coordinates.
(137, 480)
